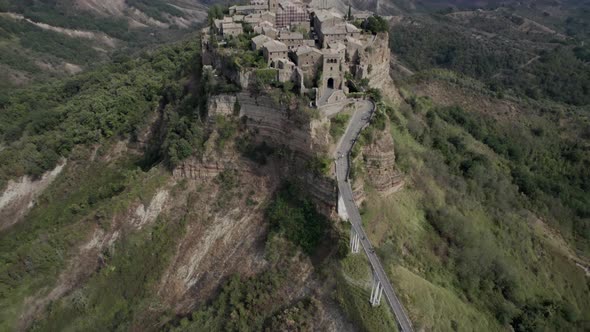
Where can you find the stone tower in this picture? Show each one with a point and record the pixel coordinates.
(332, 70)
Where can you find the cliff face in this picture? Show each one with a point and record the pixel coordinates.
(373, 60)
(285, 128)
(225, 236)
(374, 63)
(19, 196)
(281, 126)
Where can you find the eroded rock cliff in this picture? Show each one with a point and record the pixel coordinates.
(379, 164)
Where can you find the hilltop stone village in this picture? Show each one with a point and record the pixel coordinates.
(321, 51)
(287, 70)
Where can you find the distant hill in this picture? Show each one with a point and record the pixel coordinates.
(41, 39)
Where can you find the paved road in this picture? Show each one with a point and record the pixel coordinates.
(358, 121)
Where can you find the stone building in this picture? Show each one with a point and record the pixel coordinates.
(257, 18)
(231, 29)
(291, 13)
(337, 33)
(273, 51)
(286, 70)
(326, 18)
(258, 41)
(294, 40)
(339, 48)
(309, 59)
(333, 47)
(332, 70)
(247, 9)
(218, 22)
(266, 28)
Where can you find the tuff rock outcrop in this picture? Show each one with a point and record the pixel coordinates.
(379, 162)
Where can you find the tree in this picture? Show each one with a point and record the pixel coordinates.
(376, 24)
(215, 12)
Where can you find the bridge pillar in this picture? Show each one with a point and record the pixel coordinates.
(376, 291)
(355, 241)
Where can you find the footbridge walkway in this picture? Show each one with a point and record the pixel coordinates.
(361, 117)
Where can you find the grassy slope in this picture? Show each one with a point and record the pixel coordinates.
(353, 290)
(442, 280)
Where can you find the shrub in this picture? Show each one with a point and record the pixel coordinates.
(338, 125)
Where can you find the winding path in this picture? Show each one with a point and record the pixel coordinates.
(361, 118)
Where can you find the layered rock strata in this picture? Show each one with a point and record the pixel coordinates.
(379, 157)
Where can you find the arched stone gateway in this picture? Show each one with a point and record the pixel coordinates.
(330, 83)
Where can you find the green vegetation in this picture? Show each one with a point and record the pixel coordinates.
(42, 124)
(250, 305)
(443, 309)
(561, 74)
(485, 184)
(427, 45)
(11, 57)
(378, 125)
(338, 125)
(226, 128)
(470, 242)
(265, 302)
(549, 169)
(250, 59)
(464, 222)
(255, 152)
(266, 76)
(45, 123)
(114, 298)
(319, 165)
(62, 15)
(216, 12)
(353, 299)
(557, 72)
(30, 53)
(45, 42)
(376, 24)
(36, 250)
(294, 217)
